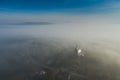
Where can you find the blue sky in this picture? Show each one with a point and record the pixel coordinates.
(52, 11)
(54, 5)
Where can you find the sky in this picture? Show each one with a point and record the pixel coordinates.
(56, 5)
(58, 11)
(65, 18)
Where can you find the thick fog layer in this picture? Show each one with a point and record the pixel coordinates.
(25, 49)
(65, 30)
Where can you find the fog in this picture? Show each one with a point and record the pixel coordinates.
(24, 49)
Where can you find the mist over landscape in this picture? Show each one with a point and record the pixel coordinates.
(25, 51)
(59, 39)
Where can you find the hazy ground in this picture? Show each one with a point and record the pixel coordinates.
(21, 57)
